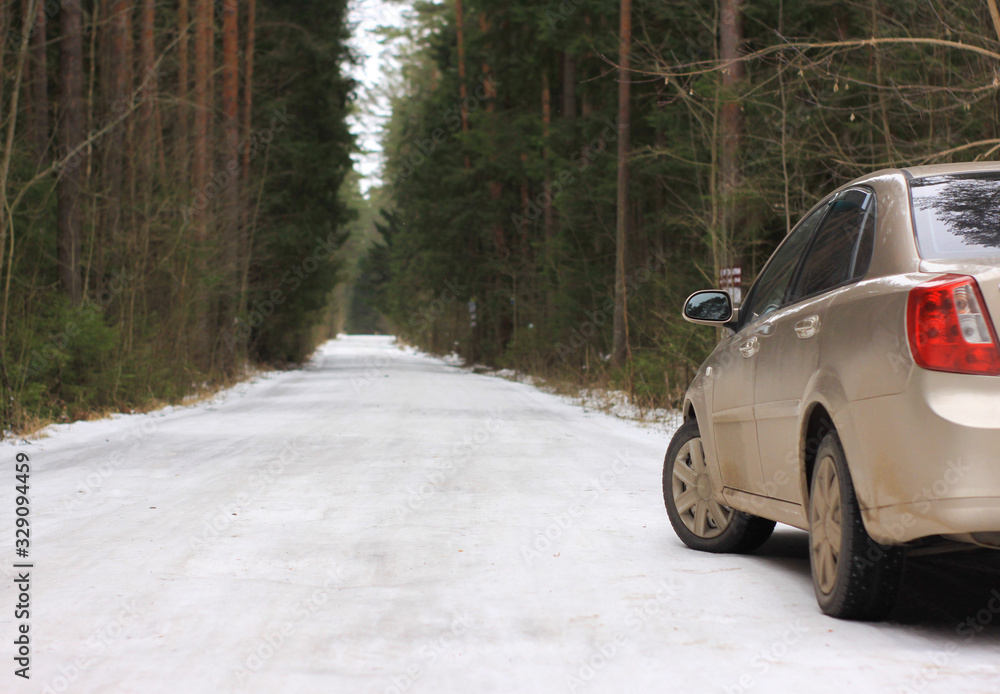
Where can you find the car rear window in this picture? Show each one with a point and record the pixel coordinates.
(957, 216)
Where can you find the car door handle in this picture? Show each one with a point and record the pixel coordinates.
(807, 327)
(750, 347)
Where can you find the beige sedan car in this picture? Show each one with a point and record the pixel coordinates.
(856, 393)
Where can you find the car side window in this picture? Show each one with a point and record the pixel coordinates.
(768, 292)
(830, 259)
(866, 244)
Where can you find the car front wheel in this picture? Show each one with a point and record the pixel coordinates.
(699, 520)
(854, 576)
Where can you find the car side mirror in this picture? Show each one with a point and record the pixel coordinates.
(710, 307)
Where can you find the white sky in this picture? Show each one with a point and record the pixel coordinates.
(373, 74)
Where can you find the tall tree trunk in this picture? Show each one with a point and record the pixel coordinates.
(501, 320)
(118, 98)
(546, 132)
(10, 122)
(251, 40)
(210, 20)
(95, 212)
(128, 68)
(70, 191)
(476, 322)
(4, 25)
(548, 220)
(496, 188)
(245, 248)
(569, 86)
(200, 161)
(8, 119)
(731, 125)
(183, 83)
(462, 88)
(5, 389)
(40, 83)
(620, 348)
(146, 149)
(230, 108)
(143, 152)
(147, 60)
(525, 248)
(199, 168)
(229, 228)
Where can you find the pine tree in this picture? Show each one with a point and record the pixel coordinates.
(71, 131)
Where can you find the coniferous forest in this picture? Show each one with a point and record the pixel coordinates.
(561, 174)
(173, 177)
(178, 200)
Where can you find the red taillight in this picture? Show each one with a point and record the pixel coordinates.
(950, 328)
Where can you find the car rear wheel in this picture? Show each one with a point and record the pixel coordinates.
(854, 576)
(699, 520)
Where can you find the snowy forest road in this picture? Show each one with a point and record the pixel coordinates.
(381, 521)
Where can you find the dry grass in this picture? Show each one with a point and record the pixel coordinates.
(33, 425)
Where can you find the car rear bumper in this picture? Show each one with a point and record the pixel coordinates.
(954, 518)
(926, 461)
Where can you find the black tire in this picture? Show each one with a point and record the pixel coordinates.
(854, 576)
(698, 519)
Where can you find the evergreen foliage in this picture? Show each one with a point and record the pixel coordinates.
(180, 291)
(499, 241)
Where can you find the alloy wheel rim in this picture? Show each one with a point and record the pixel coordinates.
(694, 495)
(825, 525)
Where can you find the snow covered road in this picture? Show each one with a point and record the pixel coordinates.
(383, 522)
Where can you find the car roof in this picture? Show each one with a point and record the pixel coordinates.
(942, 169)
(911, 172)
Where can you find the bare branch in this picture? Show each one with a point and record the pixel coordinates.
(718, 66)
(94, 136)
(969, 145)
